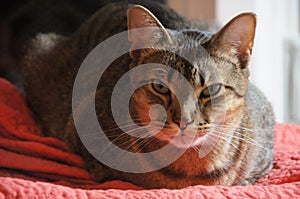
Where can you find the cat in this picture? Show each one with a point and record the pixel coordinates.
(243, 142)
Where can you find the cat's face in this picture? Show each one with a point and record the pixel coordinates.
(217, 72)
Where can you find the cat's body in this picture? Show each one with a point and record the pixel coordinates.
(239, 158)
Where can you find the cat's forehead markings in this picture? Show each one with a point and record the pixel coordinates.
(170, 75)
(160, 71)
(206, 71)
(197, 37)
(196, 77)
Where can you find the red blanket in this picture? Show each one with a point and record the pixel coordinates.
(33, 166)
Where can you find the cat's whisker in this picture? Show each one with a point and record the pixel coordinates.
(131, 142)
(121, 145)
(112, 141)
(131, 123)
(245, 139)
(126, 123)
(143, 143)
(239, 133)
(243, 128)
(132, 132)
(207, 146)
(144, 129)
(230, 132)
(226, 140)
(196, 148)
(149, 141)
(136, 132)
(125, 126)
(235, 129)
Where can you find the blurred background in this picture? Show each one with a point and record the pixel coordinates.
(275, 64)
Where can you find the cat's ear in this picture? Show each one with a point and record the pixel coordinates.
(236, 38)
(147, 29)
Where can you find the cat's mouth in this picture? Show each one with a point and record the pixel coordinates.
(184, 138)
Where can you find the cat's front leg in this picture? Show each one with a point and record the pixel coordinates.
(99, 172)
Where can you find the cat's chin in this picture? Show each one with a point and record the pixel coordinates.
(183, 141)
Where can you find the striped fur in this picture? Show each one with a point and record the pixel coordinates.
(244, 148)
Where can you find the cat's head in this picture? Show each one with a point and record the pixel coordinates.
(215, 65)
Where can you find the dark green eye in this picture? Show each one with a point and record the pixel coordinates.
(212, 90)
(160, 87)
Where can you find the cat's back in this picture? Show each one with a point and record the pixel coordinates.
(52, 61)
(260, 108)
(261, 120)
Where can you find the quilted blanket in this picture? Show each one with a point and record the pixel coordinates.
(33, 166)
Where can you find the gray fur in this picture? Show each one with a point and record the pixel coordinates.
(52, 63)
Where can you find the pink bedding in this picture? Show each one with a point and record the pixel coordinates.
(32, 166)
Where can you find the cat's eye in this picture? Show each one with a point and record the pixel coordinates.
(160, 87)
(212, 90)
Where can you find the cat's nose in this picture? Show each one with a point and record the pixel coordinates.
(182, 124)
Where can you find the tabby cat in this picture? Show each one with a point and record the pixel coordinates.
(243, 140)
